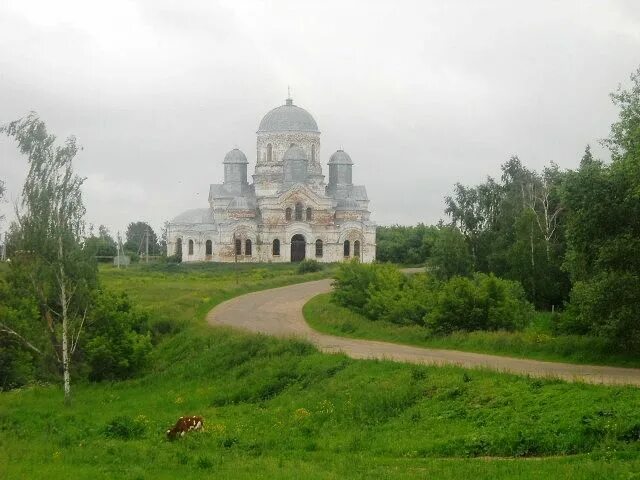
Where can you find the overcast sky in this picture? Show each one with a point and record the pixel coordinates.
(421, 94)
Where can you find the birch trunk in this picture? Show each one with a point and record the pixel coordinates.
(65, 328)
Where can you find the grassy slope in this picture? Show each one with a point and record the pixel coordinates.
(280, 409)
(535, 342)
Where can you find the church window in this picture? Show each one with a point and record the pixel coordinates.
(356, 248)
(313, 153)
(190, 247)
(208, 248)
(318, 248)
(238, 246)
(309, 213)
(179, 247)
(298, 211)
(247, 247)
(269, 152)
(287, 214)
(347, 248)
(276, 248)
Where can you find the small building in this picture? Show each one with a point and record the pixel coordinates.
(288, 213)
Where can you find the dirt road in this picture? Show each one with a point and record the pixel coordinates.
(279, 312)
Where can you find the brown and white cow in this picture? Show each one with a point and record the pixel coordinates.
(185, 424)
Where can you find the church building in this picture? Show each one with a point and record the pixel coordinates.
(289, 212)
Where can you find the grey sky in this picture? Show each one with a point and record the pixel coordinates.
(420, 94)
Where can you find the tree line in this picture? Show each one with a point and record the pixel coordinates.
(571, 238)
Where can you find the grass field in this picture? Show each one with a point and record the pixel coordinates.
(280, 409)
(536, 341)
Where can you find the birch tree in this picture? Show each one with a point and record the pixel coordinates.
(48, 233)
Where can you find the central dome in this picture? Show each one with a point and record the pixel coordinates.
(288, 118)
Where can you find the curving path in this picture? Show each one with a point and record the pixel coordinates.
(279, 312)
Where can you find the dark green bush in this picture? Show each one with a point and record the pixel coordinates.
(351, 284)
(309, 266)
(118, 341)
(483, 302)
(383, 292)
(606, 306)
(125, 428)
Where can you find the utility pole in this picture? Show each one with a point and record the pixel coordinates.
(146, 255)
(118, 250)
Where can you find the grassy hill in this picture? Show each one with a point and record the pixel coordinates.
(280, 409)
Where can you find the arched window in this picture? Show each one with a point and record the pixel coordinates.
(190, 247)
(313, 153)
(298, 211)
(276, 248)
(247, 247)
(308, 213)
(347, 248)
(356, 248)
(238, 246)
(318, 248)
(208, 248)
(269, 152)
(179, 247)
(287, 214)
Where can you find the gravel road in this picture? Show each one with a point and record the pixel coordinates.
(278, 312)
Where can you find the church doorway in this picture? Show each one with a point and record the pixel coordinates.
(298, 248)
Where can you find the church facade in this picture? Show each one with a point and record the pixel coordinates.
(289, 212)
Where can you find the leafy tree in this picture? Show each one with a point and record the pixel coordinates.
(103, 245)
(404, 245)
(118, 341)
(136, 238)
(603, 231)
(2, 192)
(450, 254)
(47, 234)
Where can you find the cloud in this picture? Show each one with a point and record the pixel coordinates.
(421, 94)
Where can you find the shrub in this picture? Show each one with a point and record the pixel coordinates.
(351, 284)
(483, 302)
(309, 266)
(606, 306)
(118, 341)
(125, 428)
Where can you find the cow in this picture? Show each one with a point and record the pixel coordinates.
(185, 424)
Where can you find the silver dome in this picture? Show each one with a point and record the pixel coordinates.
(288, 118)
(235, 156)
(340, 158)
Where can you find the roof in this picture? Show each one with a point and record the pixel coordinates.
(288, 118)
(241, 203)
(348, 204)
(195, 215)
(294, 152)
(340, 158)
(235, 156)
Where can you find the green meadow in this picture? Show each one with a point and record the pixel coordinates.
(280, 409)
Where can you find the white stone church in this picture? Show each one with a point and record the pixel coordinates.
(289, 212)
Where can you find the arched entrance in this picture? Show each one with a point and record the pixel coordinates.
(298, 248)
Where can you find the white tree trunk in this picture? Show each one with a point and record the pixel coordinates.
(65, 328)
